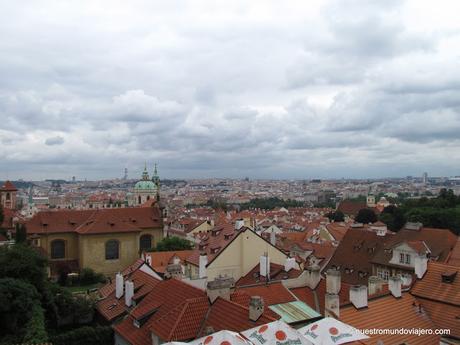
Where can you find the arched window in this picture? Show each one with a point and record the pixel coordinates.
(58, 249)
(8, 197)
(140, 200)
(112, 250)
(145, 242)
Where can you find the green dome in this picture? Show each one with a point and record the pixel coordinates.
(145, 185)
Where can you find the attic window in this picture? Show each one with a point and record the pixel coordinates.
(110, 307)
(448, 276)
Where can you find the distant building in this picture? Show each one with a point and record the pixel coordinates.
(105, 240)
(147, 189)
(8, 195)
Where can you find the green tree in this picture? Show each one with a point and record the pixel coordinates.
(336, 216)
(21, 233)
(393, 217)
(17, 299)
(366, 216)
(173, 243)
(25, 263)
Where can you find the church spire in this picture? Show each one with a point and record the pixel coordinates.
(145, 174)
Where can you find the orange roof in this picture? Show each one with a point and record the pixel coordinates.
(160, 260)
(110, 287)
(443, 315)
(391, 313)
(454, 258)
(182, 322)
(227, 315)
(277, 272)
(8, 186)
(274, 293)
(111, 307)
(95, 221)
(432, 287)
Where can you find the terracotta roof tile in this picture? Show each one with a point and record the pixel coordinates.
(391, 313)
(277, 273)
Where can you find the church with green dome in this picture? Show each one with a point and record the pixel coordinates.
(147, 189)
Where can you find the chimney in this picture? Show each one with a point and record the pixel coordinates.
(265, 266)
(332, 305)
(174, 271)
(358, 296)
(239, 224)
(118, 285)
(289, 264)
(420, 265)
(374, 285)
(220, 287)
(203, 262)
(273, 238)
(129, 293)
(333, 281)
(176, 260)
(148, 259)
(256, 308)
(313, 276)
(394, 285)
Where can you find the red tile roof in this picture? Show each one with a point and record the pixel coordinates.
(8, 186)
(182, 322)
(95, 221)
(274, 293)
(354, 255)
(391, 313)
(350, 207)
(432, 287)
(232, 316)
(277, 273)
(454, 258)
(160, 260)
(111, 307)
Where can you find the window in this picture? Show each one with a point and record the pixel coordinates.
(8, 197)
(408, 259)
(58, 249)
(145, 242)
(401, 258)
(383, 273)
(139, 199)
(112, 249)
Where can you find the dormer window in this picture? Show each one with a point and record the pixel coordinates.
(448, 277)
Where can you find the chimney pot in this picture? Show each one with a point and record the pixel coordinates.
(420, 265)
(265, 266)
(333, 281)
(358, 296)
(129, 293)
(256, 308)
(394, 285)
(118, 285)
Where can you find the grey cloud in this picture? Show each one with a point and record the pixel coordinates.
(58, 140)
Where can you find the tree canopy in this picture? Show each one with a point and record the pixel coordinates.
(173, 243)
(366, 216)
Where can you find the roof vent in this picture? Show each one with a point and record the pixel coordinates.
(448, 276)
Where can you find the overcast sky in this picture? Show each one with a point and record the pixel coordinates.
(264, 89)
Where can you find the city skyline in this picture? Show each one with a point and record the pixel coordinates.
(263, 90)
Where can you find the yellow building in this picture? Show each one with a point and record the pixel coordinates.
(106, 240)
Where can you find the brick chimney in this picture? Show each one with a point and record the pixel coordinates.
(394, 285)
(358, 296)
(220, 287)
(202, 265)
(129, 293)
(420, 265)
(118, 285)
(333, 281)
(256, 308)
(313, 276)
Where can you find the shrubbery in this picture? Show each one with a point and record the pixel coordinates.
(88, 276)
(85, 336)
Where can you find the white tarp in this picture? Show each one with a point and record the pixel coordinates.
(329, 331)
(221, 338)
(275, 333)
